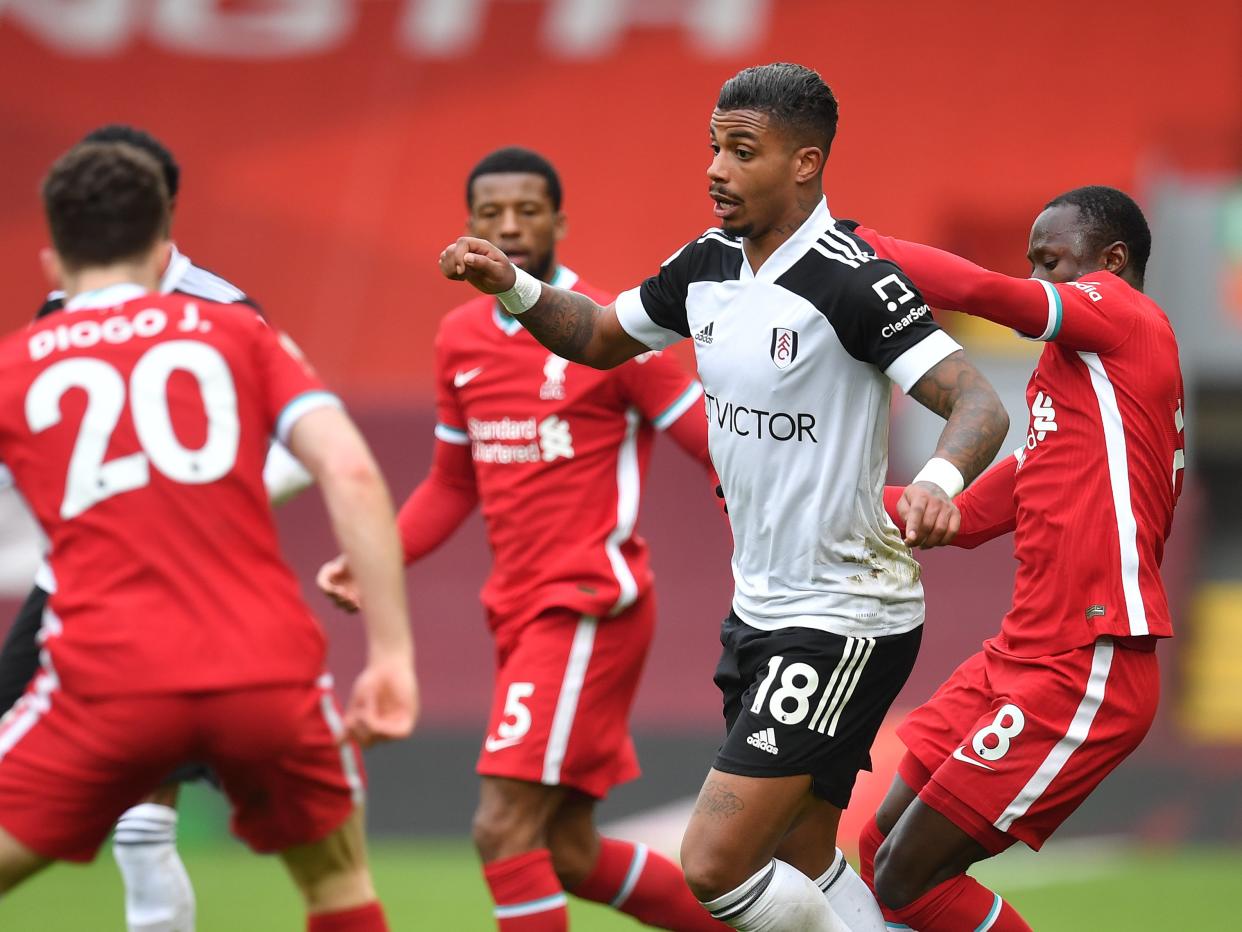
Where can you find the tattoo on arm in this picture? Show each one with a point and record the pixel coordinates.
(718, 802)
(977, 421)
(563, 321)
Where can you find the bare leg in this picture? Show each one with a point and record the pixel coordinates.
(17, 862)
(332, 873)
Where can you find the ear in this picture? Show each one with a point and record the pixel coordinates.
(52, 270)
(163, 256)
(808, 164)
(560, 226)
(1115, 258)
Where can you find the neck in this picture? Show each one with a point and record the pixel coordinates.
(93, 279)
(759, 248)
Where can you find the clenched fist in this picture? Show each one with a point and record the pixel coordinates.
(478, 262)
(931, 518)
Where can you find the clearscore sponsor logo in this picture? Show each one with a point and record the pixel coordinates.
(758, 423)
(83, 334)
(898, 325)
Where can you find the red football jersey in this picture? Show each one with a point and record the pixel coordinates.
(1101, 469)
(136, 426)
(559, 452)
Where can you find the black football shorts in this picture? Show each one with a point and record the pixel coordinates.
(804, 701)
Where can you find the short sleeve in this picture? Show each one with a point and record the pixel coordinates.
(654, 313)
(659, 388)
(882, 319)
(291, 387)
(450, 422)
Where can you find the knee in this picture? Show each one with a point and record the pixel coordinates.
(502, 830)
(895, 883)
(709, 873)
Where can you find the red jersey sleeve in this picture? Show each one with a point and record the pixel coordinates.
(440, 503)
(1095, 315)
(988, 507)
(290, 386)
(667, 396)
(450, 422)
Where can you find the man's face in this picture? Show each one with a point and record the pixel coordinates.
(1060, 250)
(514, 212)
(753, 172)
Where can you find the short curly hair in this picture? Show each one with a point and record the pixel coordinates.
(1111, 216)
(105, 202)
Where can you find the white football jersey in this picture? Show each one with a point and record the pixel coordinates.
(797, 362)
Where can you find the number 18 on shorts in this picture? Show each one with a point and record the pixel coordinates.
(804, 701)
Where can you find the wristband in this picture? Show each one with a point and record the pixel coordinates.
(522, 296)
(941, 472)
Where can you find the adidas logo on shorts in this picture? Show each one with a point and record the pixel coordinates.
(764, 740)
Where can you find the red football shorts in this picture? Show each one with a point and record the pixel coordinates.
(70, 766)
(1013, 745)
(564, 686)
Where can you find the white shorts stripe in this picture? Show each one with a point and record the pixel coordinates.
(349, 762)
(858, 671)
(1119, 480)
(631, 876)
(1074, 736)
(829, 691)
(25, 714)
(567, 701)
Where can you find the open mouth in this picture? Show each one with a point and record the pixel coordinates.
(518, 257)
(725, 206)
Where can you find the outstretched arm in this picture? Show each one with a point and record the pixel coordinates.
(566, 322)
(1093, 316)
(975, 428)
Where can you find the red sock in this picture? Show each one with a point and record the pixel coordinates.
(869, 841)
(527, 893)
(961, 903)
(645, 885)
(369, 918)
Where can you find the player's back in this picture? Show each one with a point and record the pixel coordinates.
(137, 432)
(1100, 473)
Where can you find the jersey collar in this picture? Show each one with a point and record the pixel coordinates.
(108, 296)
(178, 264)
(562, 278)
(793, 248)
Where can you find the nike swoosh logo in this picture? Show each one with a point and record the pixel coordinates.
(498, 744)
(461, 378)
(967, 760)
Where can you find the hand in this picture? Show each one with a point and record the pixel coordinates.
(336, 580)
(931, 518)
(478, 262)
(384, 702)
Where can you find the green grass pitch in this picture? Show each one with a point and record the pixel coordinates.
(435, 885)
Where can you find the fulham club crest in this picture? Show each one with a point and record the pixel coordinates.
(784, 346)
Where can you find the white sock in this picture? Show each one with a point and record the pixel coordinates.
(779, 898)
(158, 894)
(850, 897)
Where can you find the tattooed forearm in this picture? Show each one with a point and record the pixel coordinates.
(564, 322)
(717, 801)
(977, 421)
